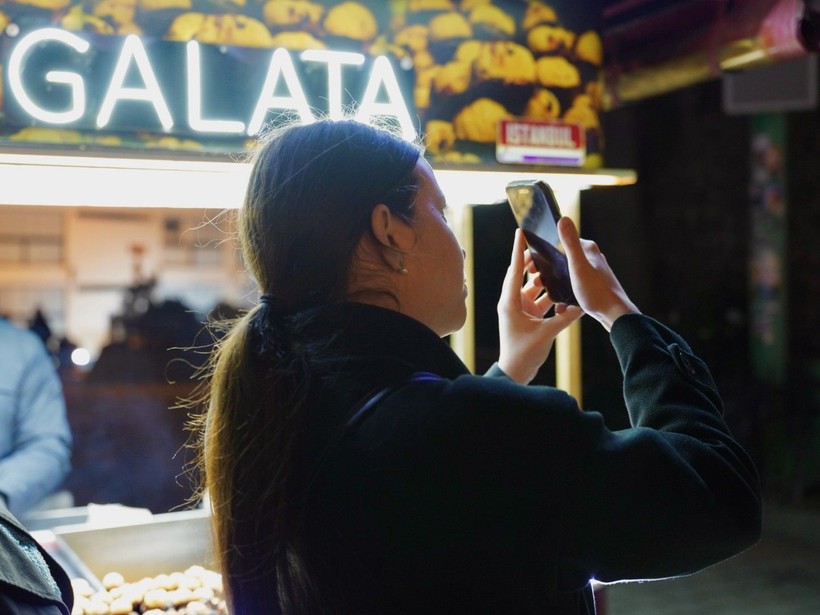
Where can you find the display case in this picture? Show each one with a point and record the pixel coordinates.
(158, 563)
(163, 544)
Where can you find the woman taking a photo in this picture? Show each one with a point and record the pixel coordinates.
(355, 465)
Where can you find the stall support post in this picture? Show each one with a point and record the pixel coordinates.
(568, 342)
(463, 340)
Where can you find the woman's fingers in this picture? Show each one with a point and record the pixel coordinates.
(597, 288)
(570, 240)
(525, 334)
(514, 278)
(543, 304)
(531, 291)
(529, 264)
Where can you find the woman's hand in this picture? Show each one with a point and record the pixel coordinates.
(598, 291)
(525, 336)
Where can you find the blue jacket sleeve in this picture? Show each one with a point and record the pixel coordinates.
(38, 443)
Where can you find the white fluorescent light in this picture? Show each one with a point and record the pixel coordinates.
(485, 186)
(54, 180)
(120, 182)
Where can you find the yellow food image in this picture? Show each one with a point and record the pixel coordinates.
(543, 105)
(478, 121)
(424, 83)
(382, 46)
(76, 19)
(468, 51)
(229, 5)
(47, 135)
(423, 60)
(509, 62)
(167, 142)
(351, 20)
(550, 39)
(40, 134)
(237, 30)
(107, 140)
(298, 41)
(459, 157)
(453, 78)
(412, 37)
(468, 5)
(430, 5)
(421, 96)
(292, 13)
(129, 28)
(590, 48)
(159, 5)
(121, 12)
(448, 26)
(440, 136)
(49, 5)
(557, 72)
(537, 13)
(582, 112)
(493, 18)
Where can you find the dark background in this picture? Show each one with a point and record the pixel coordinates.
(679, 240)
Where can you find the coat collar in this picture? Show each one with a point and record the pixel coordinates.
(384, 336)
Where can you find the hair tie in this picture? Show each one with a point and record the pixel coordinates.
(271, 327)
(274, 305)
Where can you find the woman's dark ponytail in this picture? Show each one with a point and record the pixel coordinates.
(308, 204)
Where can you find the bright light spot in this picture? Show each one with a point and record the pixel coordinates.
(80, 357)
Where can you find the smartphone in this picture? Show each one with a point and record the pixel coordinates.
(536, 210)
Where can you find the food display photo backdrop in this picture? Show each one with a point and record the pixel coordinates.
(457, 66)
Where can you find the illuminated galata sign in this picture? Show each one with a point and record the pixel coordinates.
(133, 79)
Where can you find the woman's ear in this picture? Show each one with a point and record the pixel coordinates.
(389, 230)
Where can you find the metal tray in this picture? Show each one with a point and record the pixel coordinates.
(166, 543)
(62, 553)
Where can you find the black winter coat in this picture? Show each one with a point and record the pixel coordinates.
(471, 494)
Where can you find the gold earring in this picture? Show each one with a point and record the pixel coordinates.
(402, 269)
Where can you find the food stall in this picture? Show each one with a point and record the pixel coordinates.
(125, 560)
(154, 104)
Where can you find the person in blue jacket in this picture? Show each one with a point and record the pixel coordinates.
(35, 437)
(354, 465)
